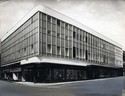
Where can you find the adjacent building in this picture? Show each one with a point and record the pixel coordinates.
(47, 46)
(124, 62)
(0, 52)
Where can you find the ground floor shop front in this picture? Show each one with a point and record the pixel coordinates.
(49, 72)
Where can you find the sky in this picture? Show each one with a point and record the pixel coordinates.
(104, 16)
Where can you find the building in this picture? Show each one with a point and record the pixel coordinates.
(0, 52)
(124, 62)
(46, 46)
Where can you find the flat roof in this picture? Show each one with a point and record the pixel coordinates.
(60, 16)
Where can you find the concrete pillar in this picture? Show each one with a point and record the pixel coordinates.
(23, 76)
(34, 73)
(15, 77)
(23, 79)
(5, 76)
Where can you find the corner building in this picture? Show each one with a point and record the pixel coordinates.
(46, 46)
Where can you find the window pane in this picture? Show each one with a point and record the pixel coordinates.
(54, 50)
(44, 48)
(54, 40)
(58, 50)
(49, 39)
(44, 38)
(49, 48)
(62, 51)
(49, 19)
(44, 17)
(44, 24)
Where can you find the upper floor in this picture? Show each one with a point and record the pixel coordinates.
(44, 32)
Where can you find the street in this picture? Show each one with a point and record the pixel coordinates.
(106, 87)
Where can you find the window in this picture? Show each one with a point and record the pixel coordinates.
(67, 51)
(74, 34)
(66, 25)
(86, 56)
(44, 17)
(53, 27)
(62, 51)
(78, 53)
(53, 20)
(44, 47)
(74, 52)
(19, 53)
(58, 35)
(62, 24)
(49, 19)
(81, 37)
(58, 22)
(49, 26)
(58, 50)
(86, 39)
(24, 51)
(70, 33)
(101, 45)
(49, 39)
(44, 24)
(54, 49)
(53, 40)
(49, 48)
(32, 48)
(31, 20)
(44, 30)
(70, 27)
(48, 32)
(77, 36)
(66, 37)
(104, 46)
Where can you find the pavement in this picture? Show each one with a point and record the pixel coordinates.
(123, 91)
(99, 87)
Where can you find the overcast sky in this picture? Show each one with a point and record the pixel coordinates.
(104, 16)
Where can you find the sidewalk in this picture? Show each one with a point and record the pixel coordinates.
(59, 83)
(123, 91)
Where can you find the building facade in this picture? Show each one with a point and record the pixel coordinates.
(46, 46)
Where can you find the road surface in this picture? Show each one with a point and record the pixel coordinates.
(107, 87)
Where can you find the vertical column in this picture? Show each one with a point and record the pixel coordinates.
(34, 74)
(65, 73)
(38, 33)
(15, 76)
(22, 75)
